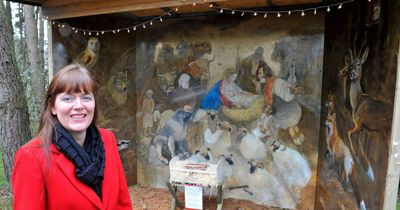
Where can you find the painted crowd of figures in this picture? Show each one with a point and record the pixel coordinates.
(246, 94)
(238, 118)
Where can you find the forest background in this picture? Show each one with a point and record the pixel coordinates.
(23, 79)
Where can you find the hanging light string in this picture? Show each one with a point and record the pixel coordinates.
(128, 29)
(219, 10)
(279, 13)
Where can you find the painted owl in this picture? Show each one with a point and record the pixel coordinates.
(89, 56)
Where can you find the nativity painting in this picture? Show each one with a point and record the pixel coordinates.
(248, 97)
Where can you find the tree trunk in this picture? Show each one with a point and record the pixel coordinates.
(41, 38)
(14, 126)
(21, 45)
(43, 56)
(9, 26)
(37, 82)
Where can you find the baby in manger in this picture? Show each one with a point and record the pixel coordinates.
(227, 93)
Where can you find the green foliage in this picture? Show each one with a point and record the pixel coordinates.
(5, 195)
(3, 180)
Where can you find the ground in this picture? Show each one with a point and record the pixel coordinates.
(152, 198)
(156, 199)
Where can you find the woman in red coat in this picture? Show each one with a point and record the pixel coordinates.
(70, 164)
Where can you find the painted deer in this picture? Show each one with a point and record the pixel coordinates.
(367, 113)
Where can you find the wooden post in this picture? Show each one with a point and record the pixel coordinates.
(392, 177)
(219, 198)
(175, 199)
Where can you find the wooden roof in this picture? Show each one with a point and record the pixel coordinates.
(58, 9)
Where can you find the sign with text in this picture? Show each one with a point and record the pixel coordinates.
(193, 197)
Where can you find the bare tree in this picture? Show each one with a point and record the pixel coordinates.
(8, 22)
(37, 82)
(14, 123)
(41, 37)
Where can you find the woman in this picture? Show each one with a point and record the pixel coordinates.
(70, 164)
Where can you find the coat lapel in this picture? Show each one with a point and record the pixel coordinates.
(109, 181)
(68, 168)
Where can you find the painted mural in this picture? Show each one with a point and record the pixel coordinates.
(112, 63)
(358, 93)
(244, 90)
(247, 91)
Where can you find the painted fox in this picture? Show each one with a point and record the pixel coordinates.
(337, 149)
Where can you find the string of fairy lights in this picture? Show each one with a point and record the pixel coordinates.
(220, 10)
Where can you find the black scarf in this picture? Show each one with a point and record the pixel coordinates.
(89, 160)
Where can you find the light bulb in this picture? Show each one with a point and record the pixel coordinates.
(289, 12)
(255, 14)
(278, 15)
(340, 6)
(221, 11)
(265, 15)
(233, 12)
(302, 13)
(315, 11)
(328, 9)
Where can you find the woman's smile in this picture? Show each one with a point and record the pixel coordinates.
(74, 111)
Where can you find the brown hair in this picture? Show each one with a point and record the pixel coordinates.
(228, 72)
(71, 79)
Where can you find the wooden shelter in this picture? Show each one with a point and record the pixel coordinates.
(329, 55)
(55, 9)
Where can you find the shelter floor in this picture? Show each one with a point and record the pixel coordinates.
(160, 199)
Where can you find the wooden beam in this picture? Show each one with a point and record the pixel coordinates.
(29, 2)
(58, 9)
(392, 176)
(269, 3)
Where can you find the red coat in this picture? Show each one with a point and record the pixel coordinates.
(58, 188)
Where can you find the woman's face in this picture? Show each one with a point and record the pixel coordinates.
(75, 111)
(232, 77)
(185, 84)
